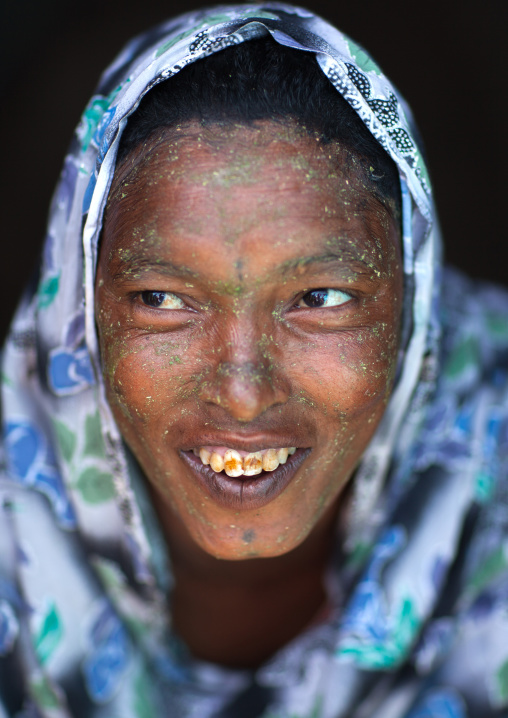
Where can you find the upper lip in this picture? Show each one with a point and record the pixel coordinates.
(251, 443)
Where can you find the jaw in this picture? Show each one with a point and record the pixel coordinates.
(235, 518)
(242, 493)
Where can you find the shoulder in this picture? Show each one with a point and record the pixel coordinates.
(473, 370)
(474, 319)
(461, 455)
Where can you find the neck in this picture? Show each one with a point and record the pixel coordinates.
(239, 613)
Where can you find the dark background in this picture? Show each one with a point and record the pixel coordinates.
(448, 58)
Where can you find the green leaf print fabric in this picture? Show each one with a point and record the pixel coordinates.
(419, 627)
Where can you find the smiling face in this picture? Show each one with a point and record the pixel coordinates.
(248, 298)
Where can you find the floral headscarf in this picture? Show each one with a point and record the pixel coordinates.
(84, 626)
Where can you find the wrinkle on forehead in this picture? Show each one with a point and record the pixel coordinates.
(270, 160)
(241, 145)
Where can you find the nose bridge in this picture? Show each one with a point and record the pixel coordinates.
(245, 343)
(244, 380)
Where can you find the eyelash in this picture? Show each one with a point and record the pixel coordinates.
(323, 294)
(151, 293)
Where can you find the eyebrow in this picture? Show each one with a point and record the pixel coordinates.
(344, 258)
(136, 264)
(348, 259)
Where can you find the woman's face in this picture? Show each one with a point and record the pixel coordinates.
(248, 298)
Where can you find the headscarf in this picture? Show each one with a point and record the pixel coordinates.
(84, 624)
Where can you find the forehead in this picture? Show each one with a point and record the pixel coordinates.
(240, 184)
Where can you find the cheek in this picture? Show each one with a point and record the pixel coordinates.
(348, 373)
(147, 377)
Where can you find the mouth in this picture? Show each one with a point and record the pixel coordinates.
(243, 480)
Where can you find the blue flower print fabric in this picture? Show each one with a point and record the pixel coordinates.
(419, 627)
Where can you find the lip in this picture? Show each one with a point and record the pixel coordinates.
(250, 442)
(244, 493)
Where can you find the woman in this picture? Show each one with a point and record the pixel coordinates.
(241, 353)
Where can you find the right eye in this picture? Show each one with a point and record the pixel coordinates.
(323, 298)
(162, 300)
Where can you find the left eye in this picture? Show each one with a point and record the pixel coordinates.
(318, 298)
(162, 300)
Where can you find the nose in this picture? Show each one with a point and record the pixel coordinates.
(245, 388)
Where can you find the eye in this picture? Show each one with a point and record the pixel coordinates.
(162, 300)
(323, 298)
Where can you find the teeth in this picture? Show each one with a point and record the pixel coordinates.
(204, 455)
(216, 462)
(270, 460)
(253, 464)
(249, 465)
(282, 455)
(233, 463)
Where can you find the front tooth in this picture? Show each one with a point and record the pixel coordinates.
(204, 455)
(253, 464)
(292, 450)
(216, 462)
(282, 455)
(270, 460)
(233, 463)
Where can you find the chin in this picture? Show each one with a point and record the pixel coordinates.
(239, 545)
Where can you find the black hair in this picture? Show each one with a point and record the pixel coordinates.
(261, 79)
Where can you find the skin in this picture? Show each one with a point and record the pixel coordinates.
(239, 224)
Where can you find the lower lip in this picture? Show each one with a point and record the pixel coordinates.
(245, 492)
